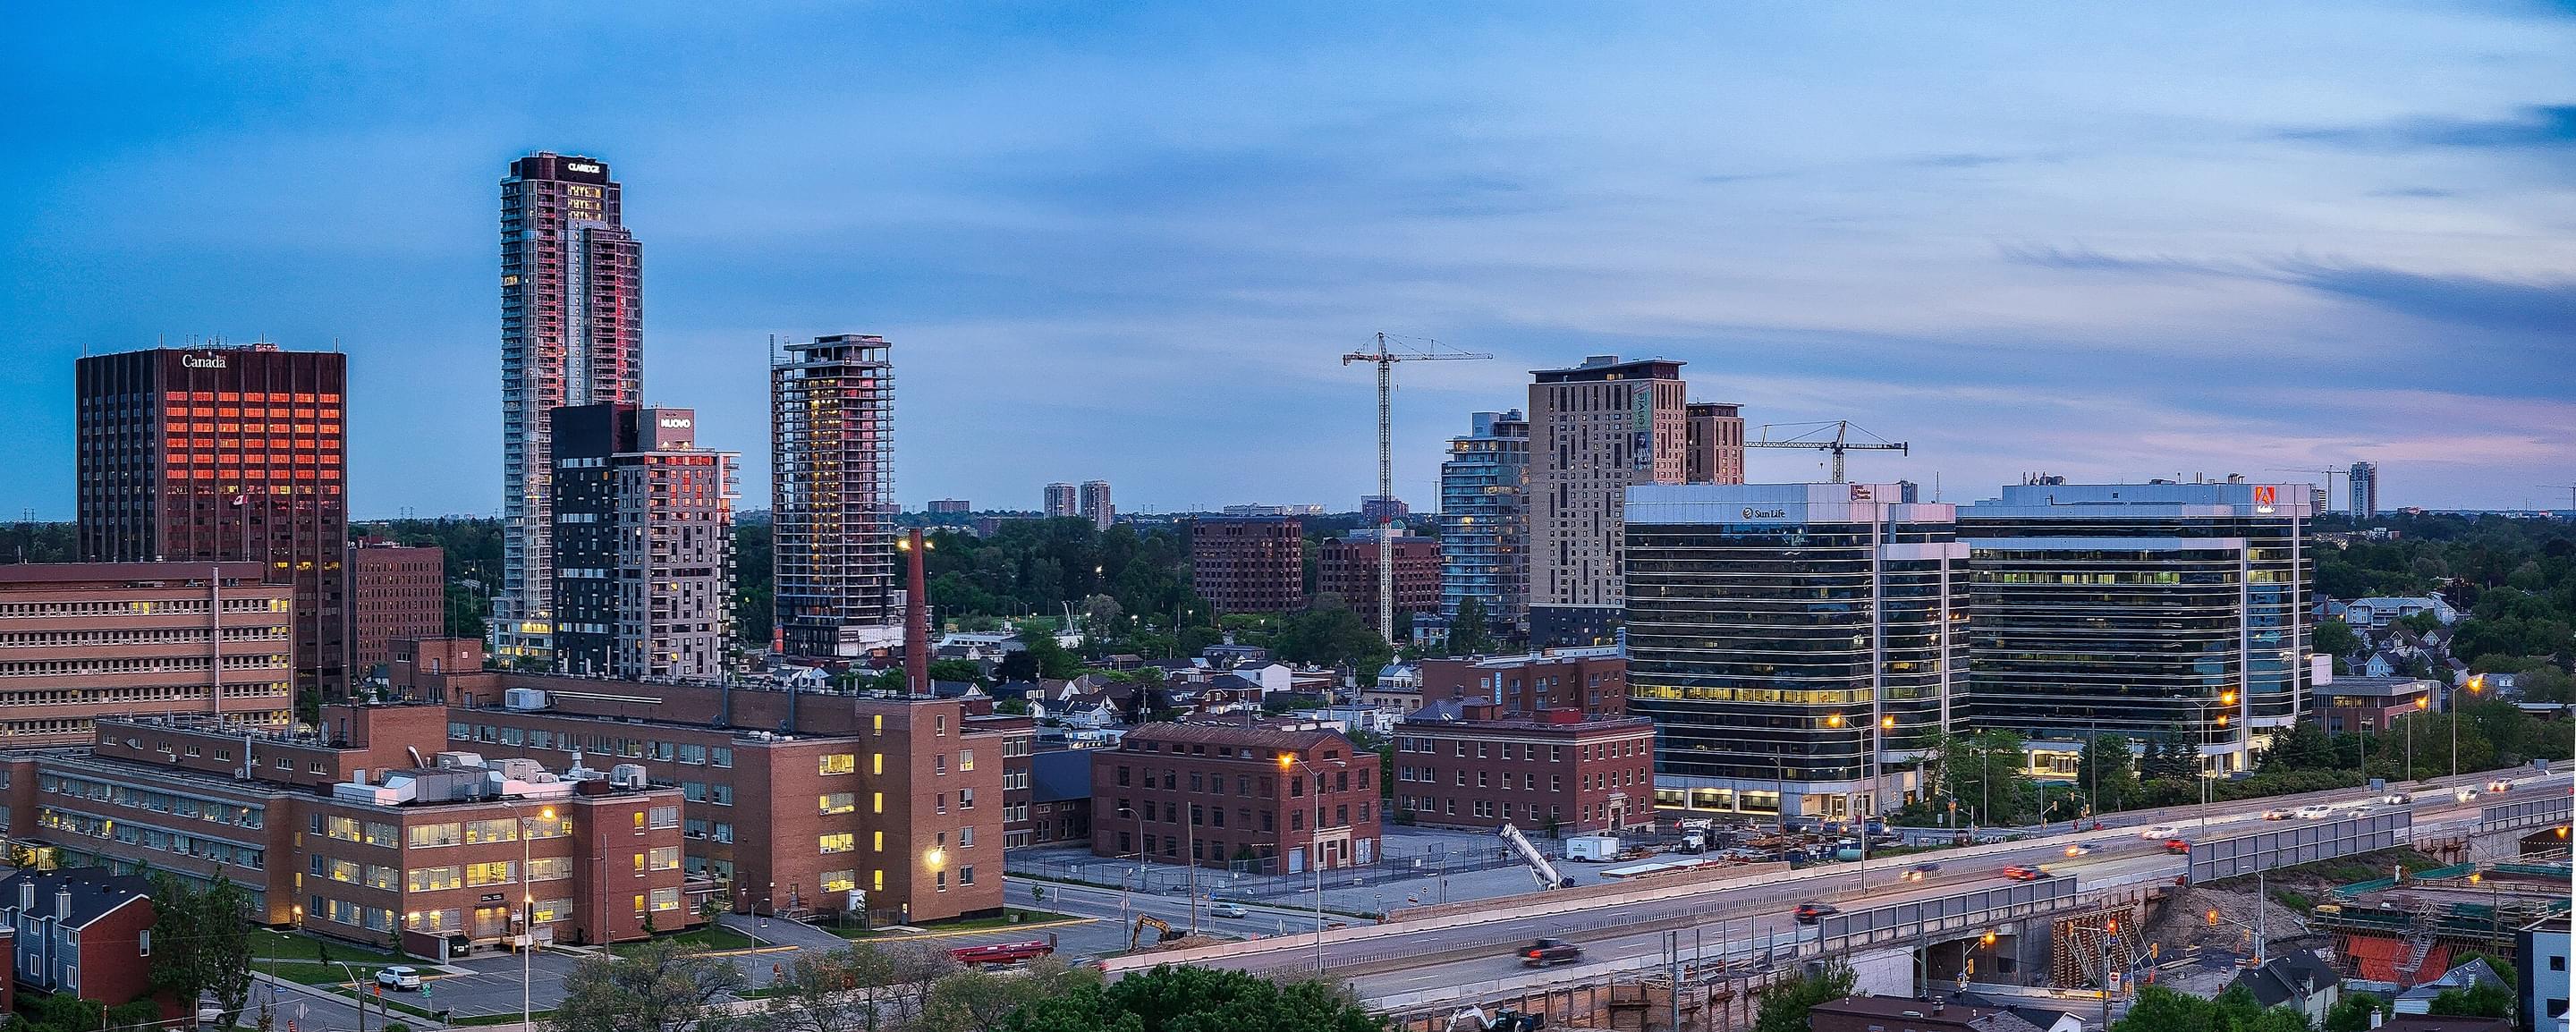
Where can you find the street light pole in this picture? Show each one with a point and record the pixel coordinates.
(1315, 851)
(527, 915)
(358, 989)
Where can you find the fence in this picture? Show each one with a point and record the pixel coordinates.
(2530, 813)
(2297, 844)
(1965, 911)
(1260, 879)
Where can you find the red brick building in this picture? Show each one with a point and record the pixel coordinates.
(1590, 681)
(1348, 567)
(85, 640)
(792, 799)
(1249, 564)
(1224, 796)
(1472, 765)
(84, 931)
(395, 592)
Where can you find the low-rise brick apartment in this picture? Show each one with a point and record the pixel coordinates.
(1249, 564)
(395, 592)
(1255, 799)
(1348, 567)
(1477, 765)
(354, 833)
(793, 802)
(86, 932)
(1590, 681)
(82, 640)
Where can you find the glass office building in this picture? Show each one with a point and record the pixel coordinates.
(2148, 610)
(1797, 645)
(1484, 519)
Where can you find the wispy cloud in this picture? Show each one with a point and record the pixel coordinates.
(2550, 126)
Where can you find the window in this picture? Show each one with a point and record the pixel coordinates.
(1122, 777)
(143, 946)
(425, 879)
(839, 802)
(664, 858)
(965, 799)
(343, 828)
(693, 754)
(839, 763)
(939, 763)
(840, 881)
(966, 837)
(965, 876)
(552, 910)
(491, 831)
(965, 759)
(381, 834)
(720, 756)
(876, 880)
(497, 872)
(724, 832)
(838, 842)
(693, 791)
(550, 868)
(939, 881)
(876, 763)
(666, 816)
(876, 802)
(424, 835)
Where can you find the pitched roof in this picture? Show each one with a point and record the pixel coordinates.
(2288, 978)
(95, 891)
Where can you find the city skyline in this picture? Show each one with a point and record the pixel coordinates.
(2193, 245)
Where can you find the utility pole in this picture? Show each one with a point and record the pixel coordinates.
(1385, 359)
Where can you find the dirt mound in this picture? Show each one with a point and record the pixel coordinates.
(2185, 922)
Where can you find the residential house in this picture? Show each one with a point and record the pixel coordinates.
(85, 931)
(2298, 980)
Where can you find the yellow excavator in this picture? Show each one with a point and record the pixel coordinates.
(1162, 931)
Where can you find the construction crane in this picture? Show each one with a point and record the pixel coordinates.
(1839, 443)
(2571, 494)
(2330, 473)
(1385, 357)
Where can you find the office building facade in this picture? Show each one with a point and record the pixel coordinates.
(223, 454)
(395, 592)
(950, 507)
(1797, 645)
(1484, 519)
(1595, 429)
(2364, 479)
(1715, 447)
(643, 544)
(572, 334)
(1251, 564)
(1478, 765)
(832, 505)
(1216, 795)
(82, 641)
(2145, 610)
(1096, 505)
(1063, 500)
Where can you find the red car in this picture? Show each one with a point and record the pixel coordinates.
(1807, 913)
(2020, 873)
(2177, 847)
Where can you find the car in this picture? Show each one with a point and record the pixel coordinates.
(1228, 910)
(2178, 847)
(2499, 785)
(2397, 798)
(2018, 872)
(2079, 849)
(1808, 912)
(2276, 815)
(2161, 831)
(398, 977)
(1549, 952)
(2465, 794)
(2315, 811)
(1918, 871)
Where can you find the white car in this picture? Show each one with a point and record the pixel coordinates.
(2317, 811)
(1228, 910)
(398, 977)
(2161, 831)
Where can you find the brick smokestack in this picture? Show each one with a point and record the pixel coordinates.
(916, 617)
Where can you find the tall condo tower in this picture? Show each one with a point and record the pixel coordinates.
(2365, 490)
(1096, 505)
(572, 333)
(1484, 518)
(832, 503)
(229, 453)
(1595, 429)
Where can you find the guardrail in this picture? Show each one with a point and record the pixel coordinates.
(1772, 945)
(1965, 911)
(2530, 813)
(2296, 844)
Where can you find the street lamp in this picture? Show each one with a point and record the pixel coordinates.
(527, 914)
(1315, 854)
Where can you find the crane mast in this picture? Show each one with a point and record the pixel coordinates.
(1385, 357)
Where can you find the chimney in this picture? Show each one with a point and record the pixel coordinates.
(63, 904)
(916, 618)
(2374, 1017)
(27, 896)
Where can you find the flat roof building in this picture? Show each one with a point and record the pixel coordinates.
(1348, 567)
(1254, 800)
(1484, 520)
(1249, 564)
(832, 505)
(91, 640)
(1592, 681)
(1797, 645)
(1595, 429)
(1478, 765)
(395, 592)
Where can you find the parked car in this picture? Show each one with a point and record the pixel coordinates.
(2178, 847)
(1549, 952)
(2018, 872)
(1228, 910)
(398, 977)
(1808, 912)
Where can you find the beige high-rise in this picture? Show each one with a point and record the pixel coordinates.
(1595, 429)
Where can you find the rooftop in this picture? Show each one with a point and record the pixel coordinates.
(1227, 734)
(94, 891)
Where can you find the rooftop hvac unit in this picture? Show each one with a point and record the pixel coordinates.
(521, 770)
(523, 699)
(627, 775)
(460, 759)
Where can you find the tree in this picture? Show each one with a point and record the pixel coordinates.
(1037, 640)
(203, 940)
(1785, 1004)
(2483, 1000)
(978, 1001)
(2335, 638)
(1469, 632)
(956, 670)
(1985, 771)
(2103, 770)
(2353, 1012)
(1191, 999)
(661, 987)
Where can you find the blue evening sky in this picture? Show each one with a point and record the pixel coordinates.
(1128, 241)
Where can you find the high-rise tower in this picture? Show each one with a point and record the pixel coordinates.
(1595, 429)
(832, 503)
(1484, 518)
(2365, 490)
(1096, 505)
(571, 334)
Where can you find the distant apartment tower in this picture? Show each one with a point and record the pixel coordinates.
(92, 640)
(1595, 429)
(1348, 567)
(1063, 500)
(2365, 490)
(228, 453)
(1379, 509)
(1484, 519)
(1715, 452)
(643, 544)
(1798, 645)
(832, 503)
(1096, 505)
(1253, 564)
(396, 592)
(2144, 610)
(950, 506)
(572, 334)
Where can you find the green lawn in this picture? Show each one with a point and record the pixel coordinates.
(711, 937)
(268, 944)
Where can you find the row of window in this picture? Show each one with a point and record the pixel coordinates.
(634, 748)
(178, 843)
(157, 801)
(145, 607)
(1528, 751)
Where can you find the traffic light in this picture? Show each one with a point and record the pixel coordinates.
(2112, 926)
(2213, 919)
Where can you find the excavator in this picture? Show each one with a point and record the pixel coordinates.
(1162, 931)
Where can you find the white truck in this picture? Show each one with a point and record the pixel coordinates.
(1600, 849)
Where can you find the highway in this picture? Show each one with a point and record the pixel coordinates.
(1633, 933)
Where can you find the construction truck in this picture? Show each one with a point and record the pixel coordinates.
(1540, 869)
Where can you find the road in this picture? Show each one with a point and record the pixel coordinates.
(2118, 855)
